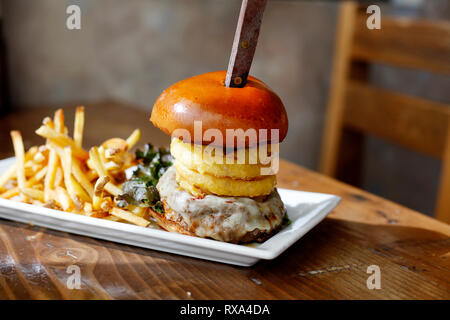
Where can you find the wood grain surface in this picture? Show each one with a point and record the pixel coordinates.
(415, 123)
(330, 262)
(357, 109)
(407, 42)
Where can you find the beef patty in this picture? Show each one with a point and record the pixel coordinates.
(230, 219)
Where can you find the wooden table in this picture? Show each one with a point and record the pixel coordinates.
(330, 262)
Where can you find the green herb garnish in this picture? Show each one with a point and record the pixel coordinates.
(141, 188)
(286, 220)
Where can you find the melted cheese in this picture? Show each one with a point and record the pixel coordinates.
(220, 218)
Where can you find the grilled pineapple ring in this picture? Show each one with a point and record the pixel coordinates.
(197, 183)
(201, 161)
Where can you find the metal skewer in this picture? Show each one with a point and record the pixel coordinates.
(244, 44)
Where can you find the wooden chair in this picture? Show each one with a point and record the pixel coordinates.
(356, 108)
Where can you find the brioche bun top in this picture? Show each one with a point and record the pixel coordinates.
(205, 98)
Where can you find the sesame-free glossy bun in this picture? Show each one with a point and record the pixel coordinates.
(205, 98)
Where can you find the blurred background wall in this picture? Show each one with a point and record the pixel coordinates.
(132, 50)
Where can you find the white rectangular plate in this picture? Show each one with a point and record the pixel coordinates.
(305, 210)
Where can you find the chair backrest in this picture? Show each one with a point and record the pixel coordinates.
(356, 108)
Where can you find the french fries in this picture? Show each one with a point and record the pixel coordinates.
(82, 178)
(58, 177)
(62, 198)
(78, 127)
(50, 176)
(37, 178)
(62, 175)
(75, 169)
(130, 217)
(10, 193)
(76, 193)
(113, 189)
(62, 140)
(98, 191)
(98, 166)
(96, 163)
(133, 138)
(20, 160)
(33, 194)
(58, 121)
(9, 174)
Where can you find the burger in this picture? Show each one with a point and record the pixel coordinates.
(222, 184)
